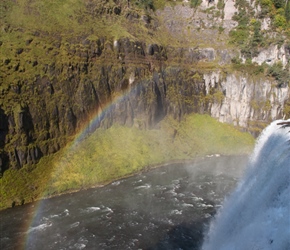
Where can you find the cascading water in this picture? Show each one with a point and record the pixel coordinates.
(256, 216)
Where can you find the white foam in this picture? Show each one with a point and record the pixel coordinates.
(146, 186)
(92, 209)
(257, 214)
(175, 211)
(54, 216)
(107, 209)
(65, 212)
(195, 198)
(79, 246)
(76, 224)
(187, 205)
(205, 205)
(40, 227)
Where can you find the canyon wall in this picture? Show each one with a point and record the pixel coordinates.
(154, 82)
(52, 90)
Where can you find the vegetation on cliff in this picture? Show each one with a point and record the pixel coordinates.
(62, 61)
(109, 154)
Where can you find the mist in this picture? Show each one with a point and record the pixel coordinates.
(256, 214)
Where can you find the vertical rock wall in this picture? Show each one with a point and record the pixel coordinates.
(247, 100)
(150, 82)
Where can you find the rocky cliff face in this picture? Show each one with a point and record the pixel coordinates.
(51, 100)
(247, 101)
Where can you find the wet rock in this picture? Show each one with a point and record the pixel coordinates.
(4, 162)
(16, 68)
(36, 33)
(20, 157)
(117, 10)
(34, 154)
(13, 204)
(132, 15)
(3, 127)
(7, 61)
(19, 51)
(16, 88)
(152, 49)
(71, 121)
(147, 19)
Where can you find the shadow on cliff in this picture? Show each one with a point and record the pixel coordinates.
(3, 133)
(3, 127)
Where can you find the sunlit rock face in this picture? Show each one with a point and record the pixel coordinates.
(229, 9)
(179, 73)
(246, 99)
(272, 55)
(155, 81)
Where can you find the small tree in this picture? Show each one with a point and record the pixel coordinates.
(278, 3)
(280, 21)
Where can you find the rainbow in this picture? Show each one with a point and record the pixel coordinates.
(91, 125)
(95, 119)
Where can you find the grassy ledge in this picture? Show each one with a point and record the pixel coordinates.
(107, 155)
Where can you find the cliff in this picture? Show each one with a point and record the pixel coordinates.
(170, 61)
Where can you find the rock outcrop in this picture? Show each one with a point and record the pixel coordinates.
(154, 81)
(247, 101)
(272, 55)
(48, 99)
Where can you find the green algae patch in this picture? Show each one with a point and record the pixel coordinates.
(117, 152)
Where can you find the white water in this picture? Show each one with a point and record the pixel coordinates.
(257, 214)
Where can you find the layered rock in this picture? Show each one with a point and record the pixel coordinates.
(153, 82)
(272, 55)
(247, 101)
(47, 99)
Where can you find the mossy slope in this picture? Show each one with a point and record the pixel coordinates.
(120, 151)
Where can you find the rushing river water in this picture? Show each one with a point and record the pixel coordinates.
(166, 208)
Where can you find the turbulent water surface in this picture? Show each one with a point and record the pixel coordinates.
(166, 208)
(257, 214)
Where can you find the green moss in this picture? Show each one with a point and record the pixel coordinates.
(120, 151)
(54, 30)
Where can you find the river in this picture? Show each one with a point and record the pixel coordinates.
(166, 208)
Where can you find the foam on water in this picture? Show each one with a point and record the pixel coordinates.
(40, 227)
(257, 214)
(109, 210)
(146, 186)
(92, 209)
(175, 211)
(93, 122)
(76, 224)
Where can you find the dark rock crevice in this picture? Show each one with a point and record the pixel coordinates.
(122, 81)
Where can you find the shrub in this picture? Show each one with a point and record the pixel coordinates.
(280, 21)
(146, 4)
(159, 4)
(278, 3)
(236, 60)
(281, 75)
(239, 36)
(220, 4)
(195, 3)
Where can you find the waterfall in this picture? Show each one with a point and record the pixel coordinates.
(256, 216)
